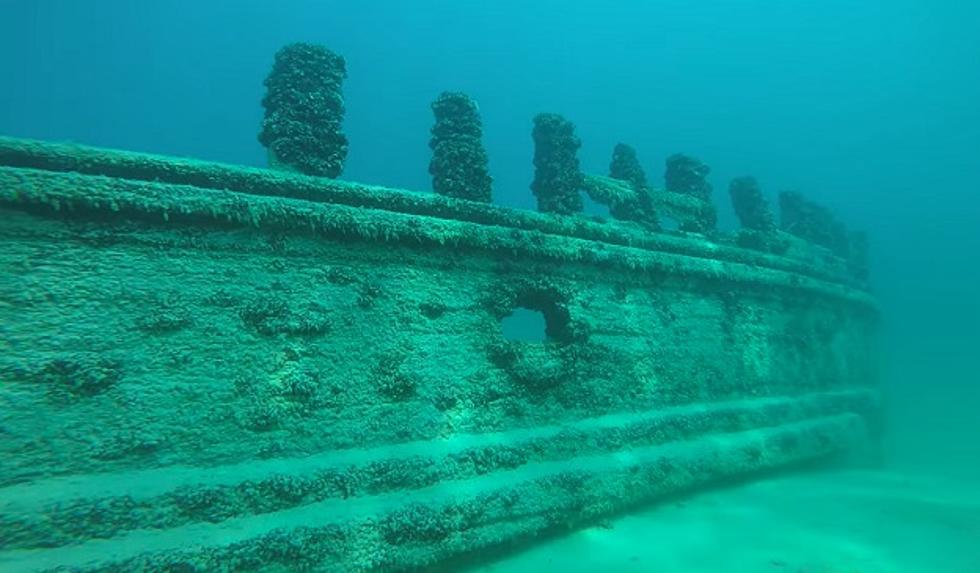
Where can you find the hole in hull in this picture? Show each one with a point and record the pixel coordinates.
(524, 325)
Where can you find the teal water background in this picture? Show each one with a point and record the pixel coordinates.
(868, 107)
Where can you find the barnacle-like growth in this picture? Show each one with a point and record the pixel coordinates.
(625, 166)
(557, 179)
(758, 224)
(812, 222)
(304, 109)
(688, 176)
(750, 206)
(459, 161)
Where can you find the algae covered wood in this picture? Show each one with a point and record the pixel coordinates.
(212, 367)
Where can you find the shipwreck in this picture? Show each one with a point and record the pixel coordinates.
(213, 367)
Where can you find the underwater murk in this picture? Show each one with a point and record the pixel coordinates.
(629, 364)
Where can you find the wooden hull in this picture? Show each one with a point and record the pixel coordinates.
(221, 368)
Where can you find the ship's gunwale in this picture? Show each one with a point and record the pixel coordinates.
(81, 159)
(99, 198)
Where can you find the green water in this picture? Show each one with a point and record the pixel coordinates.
(208, 366)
